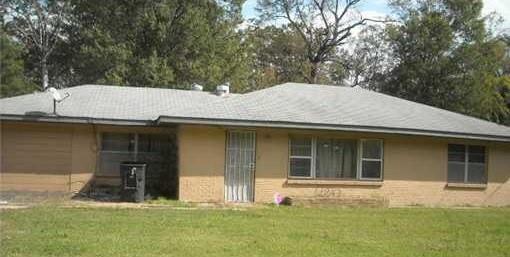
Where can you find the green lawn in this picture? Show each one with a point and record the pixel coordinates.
(272, 231)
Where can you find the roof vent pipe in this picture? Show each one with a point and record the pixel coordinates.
(224, 89)
(197, 87)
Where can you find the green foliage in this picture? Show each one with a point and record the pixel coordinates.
(278, 56)
(492, 97)
(12, 79)
(367, 63)
(159, 43)
(446, 58)
(439, 52)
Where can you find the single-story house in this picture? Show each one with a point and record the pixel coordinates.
(306, 142)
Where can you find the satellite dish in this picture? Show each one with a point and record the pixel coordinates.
(57, 98)
(56, 95)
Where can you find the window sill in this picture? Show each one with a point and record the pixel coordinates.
(334, 182)
(467, 186)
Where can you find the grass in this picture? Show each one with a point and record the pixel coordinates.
(169, 202)
(268, 231)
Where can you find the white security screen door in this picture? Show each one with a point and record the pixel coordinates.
(240, 166)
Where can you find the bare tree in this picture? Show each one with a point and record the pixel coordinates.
(39, 26)
(323, 24)
(367, 61)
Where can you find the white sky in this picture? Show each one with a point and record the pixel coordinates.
(502, 7)
(373, 8)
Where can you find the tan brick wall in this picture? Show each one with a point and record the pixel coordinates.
(46, 156)
(415, 168)
(84, 154)
(201, 163)
(56, 156)
(415, 172)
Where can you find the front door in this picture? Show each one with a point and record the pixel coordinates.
(240, 166)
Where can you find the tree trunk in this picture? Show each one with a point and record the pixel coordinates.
(314, 72)
(44, 73)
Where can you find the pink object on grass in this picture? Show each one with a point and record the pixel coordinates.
(278, 199)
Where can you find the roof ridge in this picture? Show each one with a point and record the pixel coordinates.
(144, 88)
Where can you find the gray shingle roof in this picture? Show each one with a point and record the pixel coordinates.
(108, 102)
(286, 105)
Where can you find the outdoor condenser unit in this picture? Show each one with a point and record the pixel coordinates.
(133, 181)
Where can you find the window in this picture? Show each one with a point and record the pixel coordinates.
(335, 159)
(466, 164)
(325, 158)
(159, 151)
(154, 149)
(118, 142)
(301, 157)
(371, 159)
(115, 148)
(153, 143)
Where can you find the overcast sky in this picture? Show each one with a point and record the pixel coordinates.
(380, 8)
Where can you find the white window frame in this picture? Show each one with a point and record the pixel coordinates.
(313, 159)
(361, 159)
(466, 164)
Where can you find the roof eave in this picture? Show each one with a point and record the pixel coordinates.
(78, 120)
(315, 126)
(250, 123)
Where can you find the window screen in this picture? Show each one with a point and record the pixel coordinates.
(156, 150)
(153, 143)
(115, 149)
(300, 157)
(466, 164)
(456, 163)
(118, 142)
(153, 149)
(371, 159)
